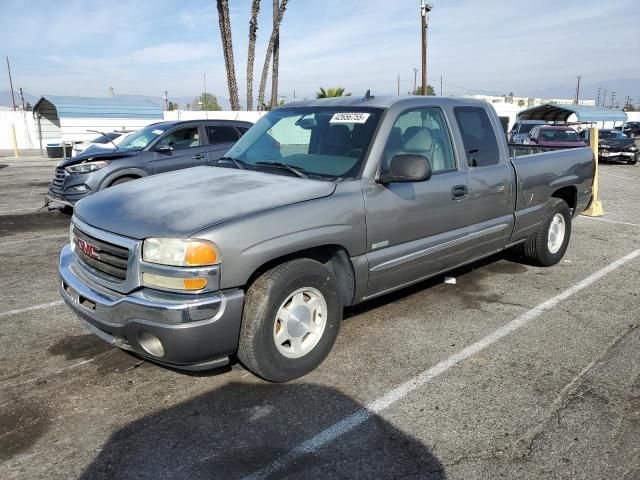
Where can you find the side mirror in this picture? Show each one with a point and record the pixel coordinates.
(407, 168)
(164, 149)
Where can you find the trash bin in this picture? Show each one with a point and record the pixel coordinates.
(54, 150)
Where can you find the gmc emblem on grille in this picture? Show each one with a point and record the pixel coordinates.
(88, 249)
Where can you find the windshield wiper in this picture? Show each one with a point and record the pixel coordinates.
(105, 136)
(295, 170)
(241, 165)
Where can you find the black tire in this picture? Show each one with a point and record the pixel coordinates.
(257, 348)
(122, 180)
(536, 249)
(632, 162)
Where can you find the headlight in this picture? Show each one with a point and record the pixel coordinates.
(180, 253)
(87, 167)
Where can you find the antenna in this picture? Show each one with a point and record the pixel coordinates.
(368, 96)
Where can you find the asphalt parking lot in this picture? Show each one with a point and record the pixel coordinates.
(513, 372)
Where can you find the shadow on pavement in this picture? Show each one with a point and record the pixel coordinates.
(240, 428)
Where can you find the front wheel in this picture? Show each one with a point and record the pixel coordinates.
(291, 319)
(549, 244)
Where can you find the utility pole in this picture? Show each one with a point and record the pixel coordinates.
(398, 84)
(425, 8)
(440, 85)
(613, 98)
(415, 80)
(22, 99)
(166, 100)
(13, 98)
(604, 98)
(598, 97)
(577, 101)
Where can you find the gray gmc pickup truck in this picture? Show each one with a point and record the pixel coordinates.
(320, 205)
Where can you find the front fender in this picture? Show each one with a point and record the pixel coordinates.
(122, 172)
(249, 242)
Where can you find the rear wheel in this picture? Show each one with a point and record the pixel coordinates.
(291, 319)
(549, 244)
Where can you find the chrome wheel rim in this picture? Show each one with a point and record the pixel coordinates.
(557, 230)
(300, 322)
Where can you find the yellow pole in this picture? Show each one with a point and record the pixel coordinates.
(595, 209)
(15, 141)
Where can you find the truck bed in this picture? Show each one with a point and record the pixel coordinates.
(547, 172)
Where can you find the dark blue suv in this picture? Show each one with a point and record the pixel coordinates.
(157, 148)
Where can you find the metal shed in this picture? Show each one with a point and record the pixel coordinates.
(62, 118)
(554, 112)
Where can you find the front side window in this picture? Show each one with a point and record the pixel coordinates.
(181, 139)
(478, 136)
(221, 134)
(326, 143)
(422, 132)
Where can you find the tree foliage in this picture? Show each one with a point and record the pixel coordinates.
(206, 102)
(332, 92)
(430, 91)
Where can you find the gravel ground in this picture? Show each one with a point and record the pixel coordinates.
(556, 396)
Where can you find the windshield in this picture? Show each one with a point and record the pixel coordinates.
(322, 142)
(559, 136)
(610, 134)
(106, 138)
(526, 127)
(140, 139)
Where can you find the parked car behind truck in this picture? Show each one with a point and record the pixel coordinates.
(157, 148)
(613, 145)
(321, 205)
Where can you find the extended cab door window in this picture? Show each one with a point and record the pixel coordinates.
(478, 136)
(422, 132)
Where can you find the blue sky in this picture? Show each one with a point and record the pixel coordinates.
(144, 47)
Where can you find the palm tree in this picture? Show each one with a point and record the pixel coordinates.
(253, 29)
(278, 13)
(227, 48)
(332, 92)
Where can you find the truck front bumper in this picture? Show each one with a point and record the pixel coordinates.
(191, 332)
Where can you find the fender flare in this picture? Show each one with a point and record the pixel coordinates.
(123, 172)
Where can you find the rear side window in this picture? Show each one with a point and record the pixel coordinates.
(222, 134)
(478, 136)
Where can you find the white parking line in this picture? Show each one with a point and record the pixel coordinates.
(347, 424)
(600, 219)
(14, 242)
(9, 313)
(618, 176)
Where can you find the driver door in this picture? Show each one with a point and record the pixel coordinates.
(186, 149)
(416, 229)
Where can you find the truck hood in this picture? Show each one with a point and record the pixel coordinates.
(98, 155)
(181, 203)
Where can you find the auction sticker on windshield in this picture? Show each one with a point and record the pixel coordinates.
(349, 117)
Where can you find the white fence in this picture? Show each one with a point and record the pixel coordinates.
(27, 131)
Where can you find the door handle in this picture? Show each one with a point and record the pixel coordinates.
(199, 156)
(459, 192)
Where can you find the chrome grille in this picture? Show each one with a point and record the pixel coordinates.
(107, 258)
(59, 177)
